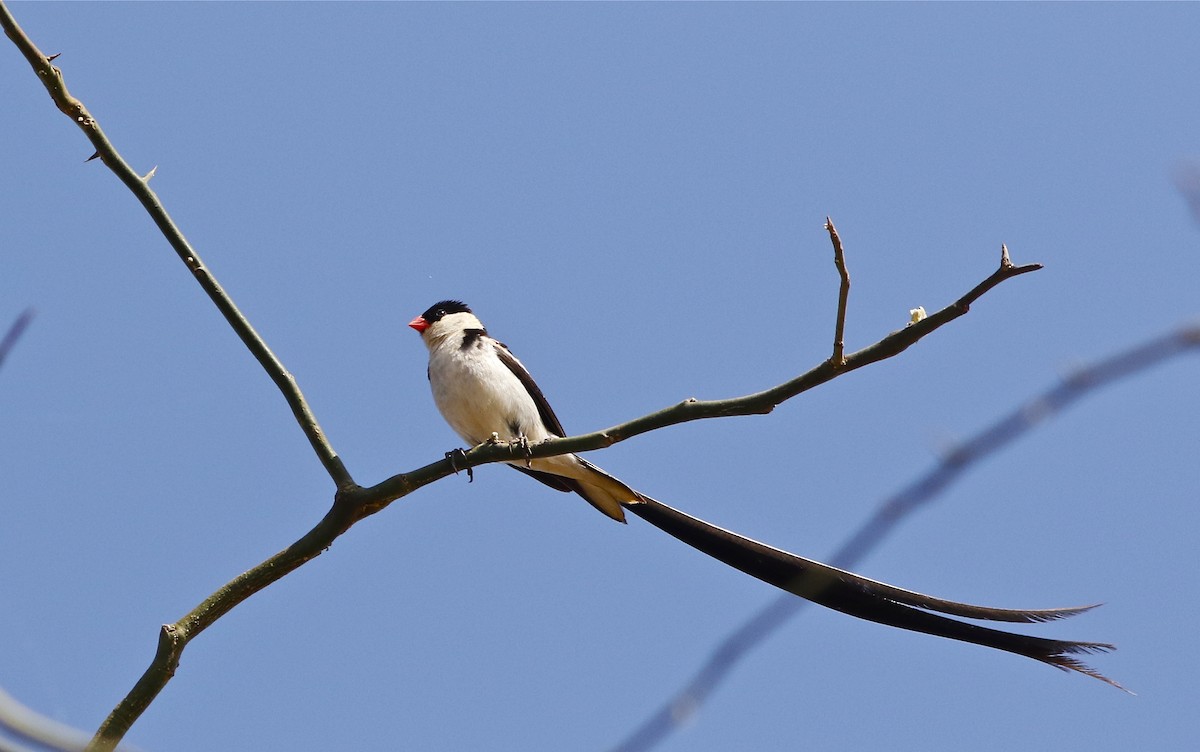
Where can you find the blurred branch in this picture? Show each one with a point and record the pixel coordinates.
(14, 333)
(37, 728)
(754, 631)
(15, 717)
(1187, 182)
(839, 260)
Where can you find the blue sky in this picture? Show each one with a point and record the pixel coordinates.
(630, 196)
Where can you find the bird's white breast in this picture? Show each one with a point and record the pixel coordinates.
(478, 395)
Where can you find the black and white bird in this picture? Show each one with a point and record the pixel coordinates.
(482, 389)
(486, 394)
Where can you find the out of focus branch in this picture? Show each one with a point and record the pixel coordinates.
(28, 724)
(14, 333)
(755, 630)
(1187, 182)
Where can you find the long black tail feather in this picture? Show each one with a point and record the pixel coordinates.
(872, 600)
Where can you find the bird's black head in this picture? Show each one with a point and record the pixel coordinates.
(444, 308)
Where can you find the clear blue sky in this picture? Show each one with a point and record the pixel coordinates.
(630, 196)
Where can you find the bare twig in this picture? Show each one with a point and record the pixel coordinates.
(839, 260)
(756, 629)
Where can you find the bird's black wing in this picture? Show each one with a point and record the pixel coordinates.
(549, 419)
(869, 599)
(557, 482)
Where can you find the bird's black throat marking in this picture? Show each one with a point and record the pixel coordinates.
(471, 338)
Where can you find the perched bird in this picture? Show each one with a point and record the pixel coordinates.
(481, 389)
(486, 394)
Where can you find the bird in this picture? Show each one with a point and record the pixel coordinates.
(481, 389)
(487, 395)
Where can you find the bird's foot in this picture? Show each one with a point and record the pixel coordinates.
(522, 443)
(454, 455)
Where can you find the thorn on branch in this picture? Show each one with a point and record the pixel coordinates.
(52, 57)
(1007, 270)
(148, 175)
(96, 155)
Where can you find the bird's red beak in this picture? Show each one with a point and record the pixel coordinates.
(419, 323)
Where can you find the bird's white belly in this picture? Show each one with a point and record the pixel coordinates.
(480, 396)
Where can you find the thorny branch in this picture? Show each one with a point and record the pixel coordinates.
(52, 78)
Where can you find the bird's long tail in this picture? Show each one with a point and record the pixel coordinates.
(872, 600)
(570, 472)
